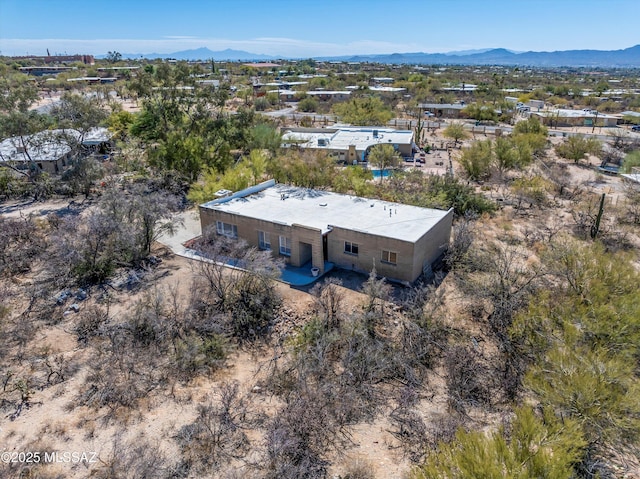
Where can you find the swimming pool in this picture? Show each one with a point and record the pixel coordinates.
(379, 173)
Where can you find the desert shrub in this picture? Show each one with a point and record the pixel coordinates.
(218, 435)
(136, 458)
(577, 147)
(245, 297)
(531, 447)
(90, 323)
(21, 244)
(359, 469)
(434, 191)
(477, 159)
(467, 379)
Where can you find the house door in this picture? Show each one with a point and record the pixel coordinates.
(325, 248)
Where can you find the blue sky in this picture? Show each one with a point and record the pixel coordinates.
(315, 28)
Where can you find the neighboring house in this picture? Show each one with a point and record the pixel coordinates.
(629, 116)
(45, 70)
(350, 144)
(529, 106)
(378, 80)
(93, 79)
(310, 227)
(50, 150)
(325, 95)
(443, 110)
(462, 88)
(386, 89)
(286, 95)
(564, 117)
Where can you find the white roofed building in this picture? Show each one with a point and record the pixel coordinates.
(312, 227)
(50, 150)
(350, 143)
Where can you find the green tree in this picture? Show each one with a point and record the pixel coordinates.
(481, 112)
(186, 123)
(456, 132)
(577, 147)
(506, 155)
(119, 123)
(630, 161)
(114, 56)
(308, 104)
(364, 111)
(264, 136)
(79, 112)
(18, 121)
(530, 125)
(384, 157)
(583, 339)
(476, 160)
(533, 447)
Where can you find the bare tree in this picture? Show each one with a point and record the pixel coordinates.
(467, 379)
(219, 433)
(329, 299)
(239, 281)
(378, 292)
(134, 459)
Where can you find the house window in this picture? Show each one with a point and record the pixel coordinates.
(264, 241)
(350, 248)
(285, 245)
(390, 257)
(226, 229)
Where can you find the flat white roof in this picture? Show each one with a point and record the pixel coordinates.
(386, 88)
(96, 136)
(49, 145)
(285, 83)
(341, 138)
(43, 146)
(443, 106)
(564, 113)
(323, 209)
(328, 92)
(635, 177)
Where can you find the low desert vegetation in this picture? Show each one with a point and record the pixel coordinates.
(516, 357)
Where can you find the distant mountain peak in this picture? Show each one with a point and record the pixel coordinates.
(202, 53)
(628, 57)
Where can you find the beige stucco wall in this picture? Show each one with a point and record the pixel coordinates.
(248, 231)
(410, 257)
(369, 251)
(432, 244)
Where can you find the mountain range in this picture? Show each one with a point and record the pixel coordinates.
(627, 58)
(202, 53)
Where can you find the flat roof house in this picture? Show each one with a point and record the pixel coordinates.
(443, 110)
(325, 95)
(564, 117)
(310, 227)
(350, 143)
(50, 150)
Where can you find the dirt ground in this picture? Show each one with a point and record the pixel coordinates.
(50, 422)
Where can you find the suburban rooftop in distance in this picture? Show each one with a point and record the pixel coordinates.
(341, 137)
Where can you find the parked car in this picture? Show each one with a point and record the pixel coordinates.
(635, 128)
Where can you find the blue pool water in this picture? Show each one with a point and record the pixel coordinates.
(377, 173)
